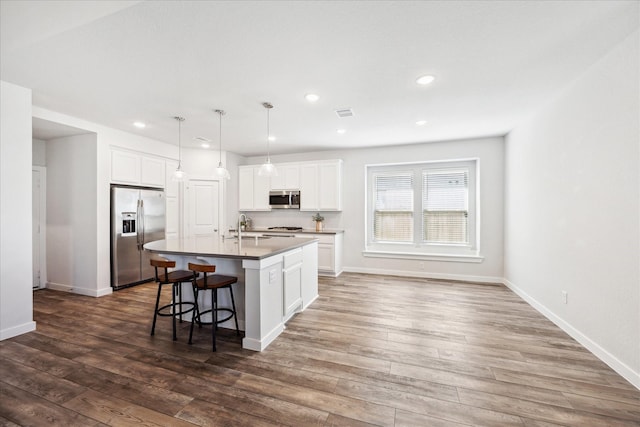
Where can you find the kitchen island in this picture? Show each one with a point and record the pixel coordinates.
(277, 277)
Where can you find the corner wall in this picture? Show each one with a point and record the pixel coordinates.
(16, 295)
(572, 209)
(71, 214)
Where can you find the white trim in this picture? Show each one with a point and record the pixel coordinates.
(614, 363)
(425, 275)
(42, 170)
(424, 256)
(259, 345)
(17, 330)
(304, 307)
(90, 292)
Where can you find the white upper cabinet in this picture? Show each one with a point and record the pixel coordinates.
(309, 187)
(152, 171)
(137, 169)
(253, 189)
(330, 186)
(125, 167)
(321, 186)
(288, 177)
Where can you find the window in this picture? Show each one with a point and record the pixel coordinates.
(421, 209)
(445, 206)
(393, 211)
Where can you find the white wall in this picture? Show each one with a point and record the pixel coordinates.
(572, 209)
(71, 213)
(106, 139)
(16, 296)
(39, 152)
(490, 151)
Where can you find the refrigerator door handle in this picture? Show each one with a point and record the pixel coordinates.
(142, 242)
(138, 224)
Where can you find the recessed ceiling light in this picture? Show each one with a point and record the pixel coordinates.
(272, 138)
(311, 97)
(139, 125)
(425, 80)
(342, 131)
(204, 145)
(421, 122)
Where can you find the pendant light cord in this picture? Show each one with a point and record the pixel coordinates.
(220, 113)
(268, 106)
(180, 120)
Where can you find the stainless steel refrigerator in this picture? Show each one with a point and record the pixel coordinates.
(137, 217)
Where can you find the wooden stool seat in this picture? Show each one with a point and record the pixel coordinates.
(177, 307)
(211, 282)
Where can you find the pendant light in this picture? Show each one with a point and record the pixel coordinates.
(179, 175)
(268, 168)
(221, 171)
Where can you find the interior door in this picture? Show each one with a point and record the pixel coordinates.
(204, 207)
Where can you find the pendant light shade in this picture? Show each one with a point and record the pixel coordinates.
(268, 168)
(179, 175)
(221, 171)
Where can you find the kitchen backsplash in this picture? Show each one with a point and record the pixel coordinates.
(293, 218)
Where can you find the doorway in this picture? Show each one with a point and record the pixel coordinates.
(39, 224)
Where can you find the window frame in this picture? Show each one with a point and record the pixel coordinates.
(419, 249)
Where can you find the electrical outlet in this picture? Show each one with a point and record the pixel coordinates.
(421, 265)
(565, 297)
(272, 276)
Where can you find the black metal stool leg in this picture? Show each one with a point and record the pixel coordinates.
(173, 316)
(235, 314)
(196, 313)
(155, 312)
(214, 315)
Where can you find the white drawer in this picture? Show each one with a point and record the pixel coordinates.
(292, 258)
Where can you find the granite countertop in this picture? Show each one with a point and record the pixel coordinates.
(303, 231)
(249, 248)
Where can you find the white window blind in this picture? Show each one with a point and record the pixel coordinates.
(445, 204)
(393, 211)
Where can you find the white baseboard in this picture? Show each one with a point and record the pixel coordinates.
(424, 274)
(260, 344)
(621, 368)
(14, 331)
(80, 291)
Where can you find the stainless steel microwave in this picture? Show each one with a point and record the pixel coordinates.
(284, 199)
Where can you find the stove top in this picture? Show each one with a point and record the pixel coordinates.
(286, 228)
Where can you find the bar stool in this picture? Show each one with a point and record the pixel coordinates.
(211, 282)
(174, 278)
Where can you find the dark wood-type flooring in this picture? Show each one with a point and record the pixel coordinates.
(372, 350)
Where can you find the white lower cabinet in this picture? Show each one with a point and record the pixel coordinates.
(329, 253)
(292, 283)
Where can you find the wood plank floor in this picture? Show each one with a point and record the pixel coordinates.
(372, 350)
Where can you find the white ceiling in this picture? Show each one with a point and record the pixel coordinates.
(495, 62)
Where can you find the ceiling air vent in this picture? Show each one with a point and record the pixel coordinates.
(202, 139)
(344, 112)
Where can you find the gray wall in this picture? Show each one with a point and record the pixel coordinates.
(490, 151)
(572, 209)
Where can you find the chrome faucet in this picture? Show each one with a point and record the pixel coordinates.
(241, 218)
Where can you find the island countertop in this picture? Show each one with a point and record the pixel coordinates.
(249, 248)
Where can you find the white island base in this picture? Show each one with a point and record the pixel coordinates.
(276, 279)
